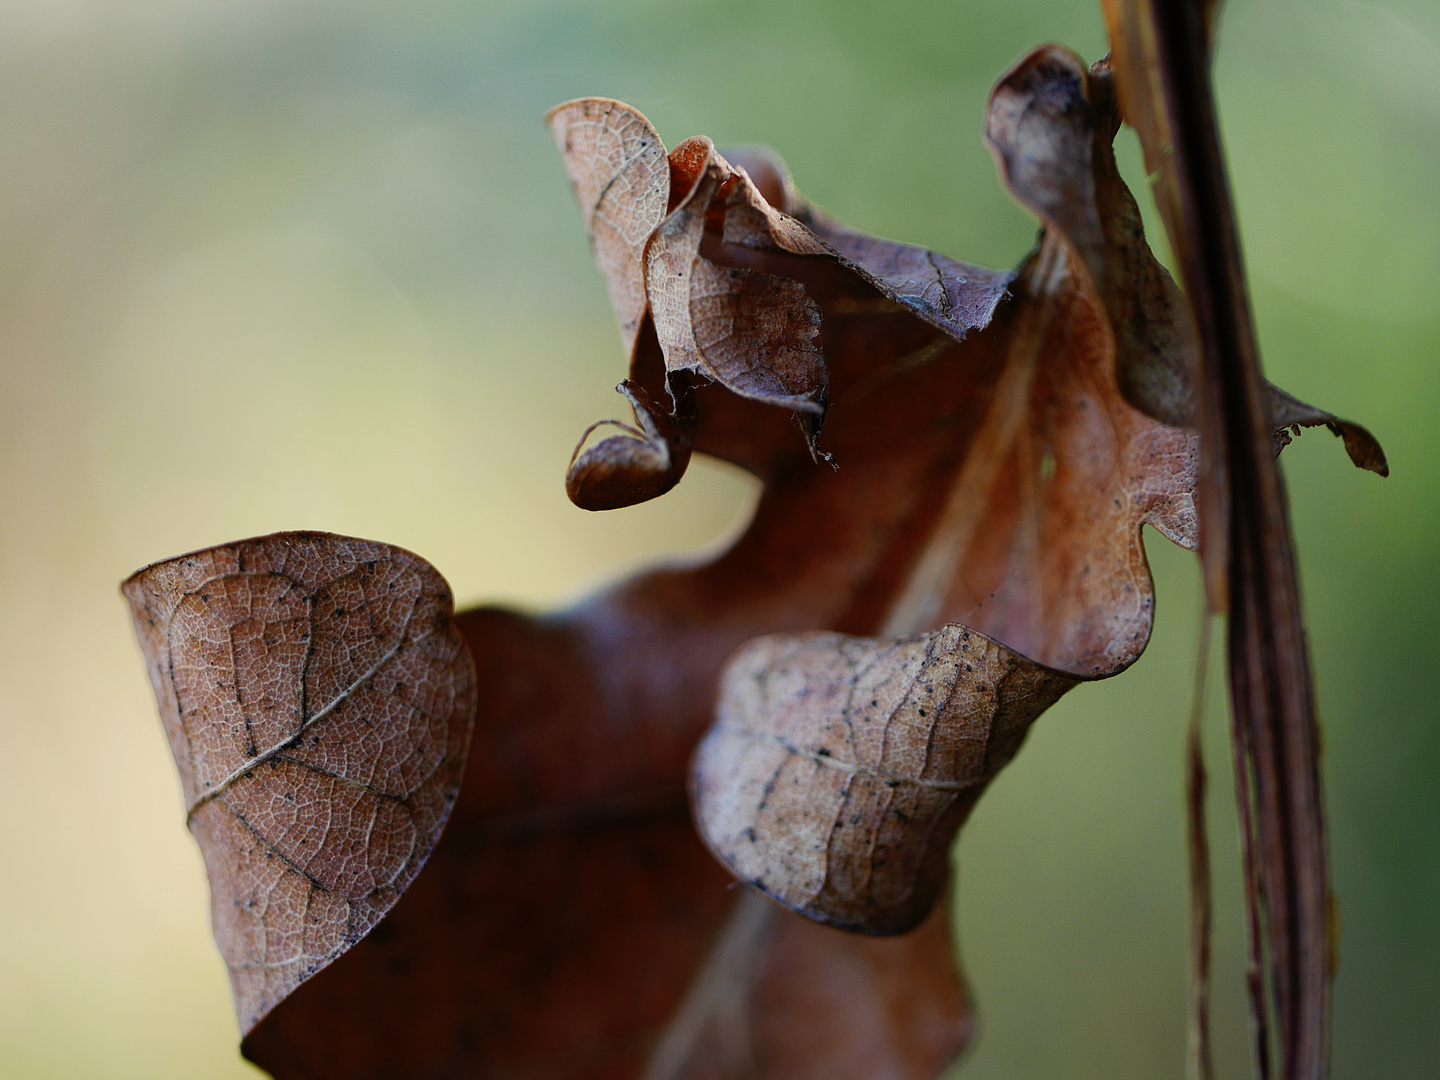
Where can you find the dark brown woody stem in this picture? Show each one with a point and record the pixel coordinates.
(1275, 728)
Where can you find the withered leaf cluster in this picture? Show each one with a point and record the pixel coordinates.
(956, 465)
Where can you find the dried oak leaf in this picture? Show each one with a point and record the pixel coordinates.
(562, 920)
(837, 787)
(318, 701)
(570, 923)
(713, 279)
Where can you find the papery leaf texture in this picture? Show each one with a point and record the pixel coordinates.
(831, 753)
(956, 463)
(319, 702)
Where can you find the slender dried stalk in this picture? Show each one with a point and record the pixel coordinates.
(1201, 897)
(1163, 64)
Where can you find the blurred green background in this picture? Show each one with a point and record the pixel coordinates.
(311, 264)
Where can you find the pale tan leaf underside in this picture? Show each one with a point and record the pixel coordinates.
(618, 168)
(835, 760)
(319, 704)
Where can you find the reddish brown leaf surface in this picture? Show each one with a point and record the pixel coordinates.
(992, 479)
(780, 996)
(319, 702)
(563, 918)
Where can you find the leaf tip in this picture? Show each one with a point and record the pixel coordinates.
(637, 465)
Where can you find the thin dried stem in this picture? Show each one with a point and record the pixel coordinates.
(1162, 53)
(1201, 895)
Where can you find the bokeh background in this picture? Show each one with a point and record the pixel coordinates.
(314, 264)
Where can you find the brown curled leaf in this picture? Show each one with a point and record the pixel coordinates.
(621, 178)
(759, 330)
(1036, 541)
(952, 296)
(749, 331)
(570, 913)
(734, 284)
(1051, 126)
(838, 768)
(319, 702)
(649, 459)
(1289, 414)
